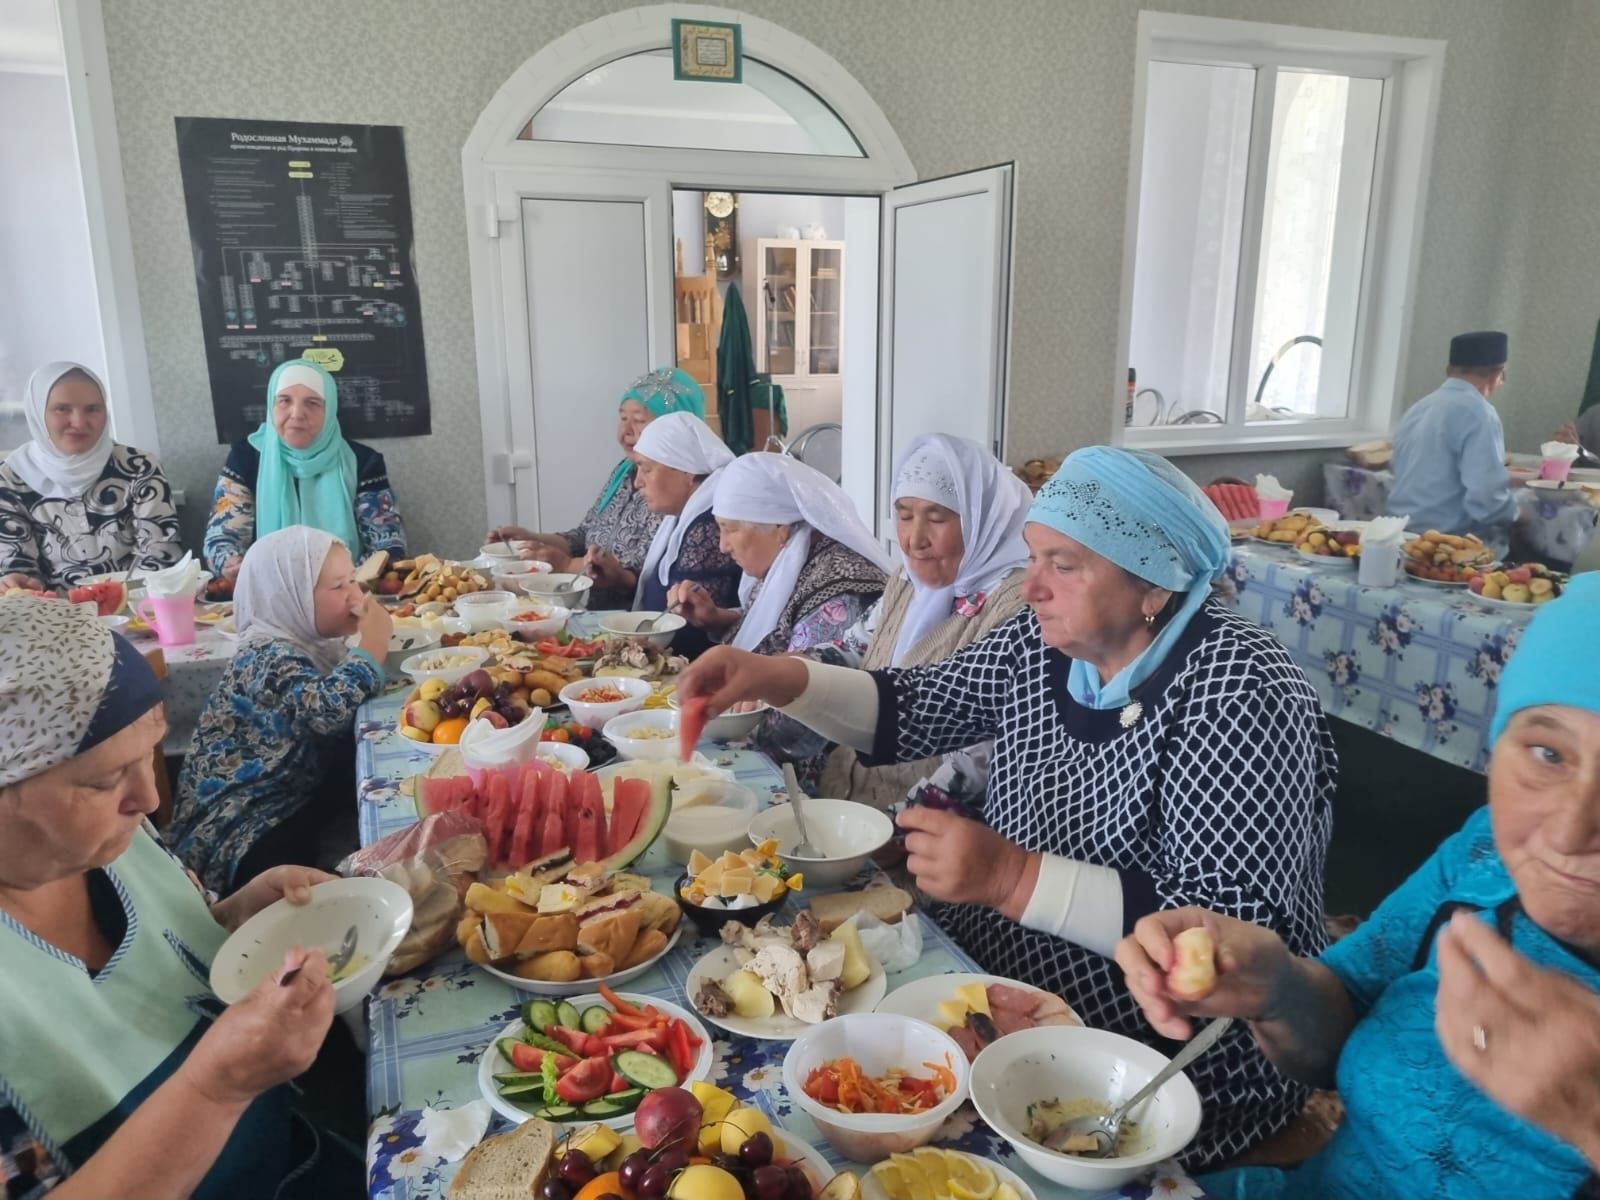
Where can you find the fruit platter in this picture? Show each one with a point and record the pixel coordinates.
(1341, 546)
(1445, 558)
(437, 712)
(1515, 586)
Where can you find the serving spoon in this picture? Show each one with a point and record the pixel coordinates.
(804, 848)
(1106, 1130)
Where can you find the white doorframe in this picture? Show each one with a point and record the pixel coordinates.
(94, 124)
(498, 170)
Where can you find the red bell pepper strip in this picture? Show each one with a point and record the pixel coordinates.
(617, 1002)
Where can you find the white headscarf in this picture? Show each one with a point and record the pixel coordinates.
(774, 489)
(993, 506)
(43, 467)
(275, 595)
(684, 442)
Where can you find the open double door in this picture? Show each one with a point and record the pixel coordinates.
(595, 309)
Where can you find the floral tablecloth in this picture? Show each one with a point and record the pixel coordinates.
(428, 1029)
(193, 672)
(1415, 663)
(1554, 525)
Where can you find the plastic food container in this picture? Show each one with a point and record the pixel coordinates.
(632, 733)
(484, 610)
(596, 714)
(877, 1041)
(463, 660)
(709, 827)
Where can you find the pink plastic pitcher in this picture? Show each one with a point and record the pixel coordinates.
(172, 618)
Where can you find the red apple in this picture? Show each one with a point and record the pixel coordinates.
(667, 1118)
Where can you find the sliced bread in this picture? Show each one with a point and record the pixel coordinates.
(888, 904)
(508, 1166)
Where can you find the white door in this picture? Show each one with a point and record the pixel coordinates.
(946, 312)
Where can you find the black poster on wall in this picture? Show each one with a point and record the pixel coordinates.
(301, 236)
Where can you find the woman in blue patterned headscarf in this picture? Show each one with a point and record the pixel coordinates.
(1148, 743)
(612, 540)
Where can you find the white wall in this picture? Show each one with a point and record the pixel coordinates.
(48, 309)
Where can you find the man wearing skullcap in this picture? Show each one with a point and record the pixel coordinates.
(1450, 449)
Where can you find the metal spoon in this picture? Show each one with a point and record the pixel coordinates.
(1106, 1130)
(804, 848)
(336, 963)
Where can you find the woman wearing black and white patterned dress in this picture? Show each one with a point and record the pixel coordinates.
(1151, 749)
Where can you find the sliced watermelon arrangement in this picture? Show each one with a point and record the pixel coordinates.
(108, 596)
(532, 811)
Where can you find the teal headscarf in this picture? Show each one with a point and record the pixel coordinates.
(1554, 659)
(1141, 512)
(664, 390)
(315, 486)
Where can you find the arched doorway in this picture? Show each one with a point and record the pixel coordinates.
(569, 221)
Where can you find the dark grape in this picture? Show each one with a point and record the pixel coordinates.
(632, 1168)
(555, 1189)
(770, 1183)
(653, 1184)
(756, 1150)
(799, 1184)
(577, 1168)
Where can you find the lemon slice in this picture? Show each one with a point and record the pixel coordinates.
(969, 1178)
(915, 1180)
(931, 1162)
(888, 1175)
(1006, 1192)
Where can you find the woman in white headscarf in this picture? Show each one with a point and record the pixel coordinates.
(270, 769)
(958, 513)
(679, 460)
(811, 571)
(74, 503)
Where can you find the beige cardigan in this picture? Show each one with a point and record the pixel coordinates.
(842, 776)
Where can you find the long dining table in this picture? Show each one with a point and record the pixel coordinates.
(427, 1029)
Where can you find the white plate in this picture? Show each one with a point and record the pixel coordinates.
(492, 1062)
(1436, 583)
(544, 987)
(1562, 485)
(1506, 605)
(871, 1189)
(1326, 560)
(779, 1027)
(1275, 545)
(920, 999)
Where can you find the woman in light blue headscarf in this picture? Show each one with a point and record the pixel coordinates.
(299, 469)
(613, 539)
(1149, 744)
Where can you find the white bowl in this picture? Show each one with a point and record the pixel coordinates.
(622, 733)
(558, 587)
(470, 659)
(731, 726)
(379, 910)
(1070, 1062)
(565, 755)
(878, 1041)
(845, 832)
(719, 823)
(404, 642)
(595, 716)
(485, 610)
(629, 627)
(497, 550)
(554, 621)
(117, 622)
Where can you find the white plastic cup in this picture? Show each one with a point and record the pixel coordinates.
(1270, 507)
(1380, 564)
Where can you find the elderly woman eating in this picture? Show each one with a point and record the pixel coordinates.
(74, 503)
(120, 1074)
(1461, 1021)
(680, 459)
(299, 469)
(611, 541)
(958, 514)
(1151, 748)
(811, 572)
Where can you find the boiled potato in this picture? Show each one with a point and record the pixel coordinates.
(750, 997)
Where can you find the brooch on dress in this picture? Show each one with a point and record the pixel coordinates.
(1131, 714)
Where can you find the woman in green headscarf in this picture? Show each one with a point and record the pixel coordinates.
(611, 541)
(298, 469)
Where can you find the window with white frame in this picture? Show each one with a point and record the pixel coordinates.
(1274, 218)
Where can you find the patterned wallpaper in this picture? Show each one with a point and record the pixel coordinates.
(965, 84)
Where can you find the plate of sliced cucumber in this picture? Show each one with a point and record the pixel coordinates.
(580, 1059)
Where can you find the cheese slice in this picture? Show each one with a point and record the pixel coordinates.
(738, 883)
(697, 862)
(559, 898)
(974, 996)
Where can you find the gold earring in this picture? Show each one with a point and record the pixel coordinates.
(1149, 618)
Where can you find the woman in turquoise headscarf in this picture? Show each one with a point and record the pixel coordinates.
(612, 540)
(1148, 743)
(298, 469)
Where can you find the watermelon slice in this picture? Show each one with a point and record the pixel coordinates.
(691, 725)
(525, 835)
(554, 823)
(630, 801)
(438, 795)
(499, 823)
(108, 596)
(588, 817)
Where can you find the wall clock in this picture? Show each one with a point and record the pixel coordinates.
(722, 231)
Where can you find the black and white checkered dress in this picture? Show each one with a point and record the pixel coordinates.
(1220, 794)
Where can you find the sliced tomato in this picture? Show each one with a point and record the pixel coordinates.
(619, 1082)
(585, 1082)
(577, 1039)
(530, 1058)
